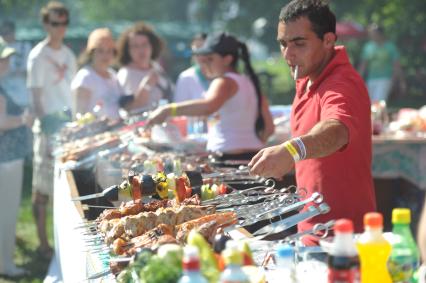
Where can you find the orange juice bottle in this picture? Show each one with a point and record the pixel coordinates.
(374, 250)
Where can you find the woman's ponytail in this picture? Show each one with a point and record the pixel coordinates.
(260, 121)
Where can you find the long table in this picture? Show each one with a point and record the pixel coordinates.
(72, 262)
(400, 158)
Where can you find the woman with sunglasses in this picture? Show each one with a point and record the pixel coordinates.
(243, 121)
(95, 86)
(141, 76)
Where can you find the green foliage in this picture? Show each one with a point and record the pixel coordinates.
(403, 22)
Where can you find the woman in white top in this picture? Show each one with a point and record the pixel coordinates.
(141, 77)
(243, 119)
(96, 84)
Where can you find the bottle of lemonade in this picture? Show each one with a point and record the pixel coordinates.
(404, 259)
(374, 250)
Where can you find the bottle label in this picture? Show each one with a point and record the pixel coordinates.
(402, 268)
(343, 276)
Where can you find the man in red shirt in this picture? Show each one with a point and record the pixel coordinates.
(330, 120)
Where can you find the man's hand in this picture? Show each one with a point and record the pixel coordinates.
(158, 116)
(274, 161)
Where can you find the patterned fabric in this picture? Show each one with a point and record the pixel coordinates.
(400, 159)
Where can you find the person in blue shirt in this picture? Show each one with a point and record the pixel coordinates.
(380, 65)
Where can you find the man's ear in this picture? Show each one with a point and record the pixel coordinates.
(329, 39)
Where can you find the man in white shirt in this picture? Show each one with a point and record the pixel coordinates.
(51, 67)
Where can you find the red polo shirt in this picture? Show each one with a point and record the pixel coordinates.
(344, 177)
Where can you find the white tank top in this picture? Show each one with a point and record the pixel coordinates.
(233, 126)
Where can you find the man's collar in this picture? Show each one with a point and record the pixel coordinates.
(340, 57)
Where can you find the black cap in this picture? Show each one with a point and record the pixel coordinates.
(221, 43)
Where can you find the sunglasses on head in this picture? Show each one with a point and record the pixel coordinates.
(59, 24)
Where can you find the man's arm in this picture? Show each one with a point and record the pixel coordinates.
(37, 105)
(325, 138)
(398, 76)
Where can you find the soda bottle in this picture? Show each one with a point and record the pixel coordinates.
(233, 258)
(374, 250)
(191, 266)
(343, 261)
(404, 259)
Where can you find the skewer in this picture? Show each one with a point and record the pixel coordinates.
(120, 259)
(99, 206)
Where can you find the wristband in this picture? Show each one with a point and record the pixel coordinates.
(292, 150)
(173, 109)
(302, 148)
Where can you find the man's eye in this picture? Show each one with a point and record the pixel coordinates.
(299, 44)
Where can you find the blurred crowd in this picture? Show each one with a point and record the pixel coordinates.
(44, 86)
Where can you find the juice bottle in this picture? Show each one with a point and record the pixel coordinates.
(404, 259)
(374, 250)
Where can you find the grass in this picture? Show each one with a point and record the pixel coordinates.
(26, 238)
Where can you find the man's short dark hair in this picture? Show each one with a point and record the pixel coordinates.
(317, 11)
(55, 7)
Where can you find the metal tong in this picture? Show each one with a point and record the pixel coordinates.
(237, 196)
(320, 230)
(291, 221)
(274, 209)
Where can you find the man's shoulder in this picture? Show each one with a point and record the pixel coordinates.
(343, 78)
(37, 50)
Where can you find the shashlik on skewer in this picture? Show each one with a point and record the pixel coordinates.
(135, 207)
(206, 225)
(136, 186)
(135, 225)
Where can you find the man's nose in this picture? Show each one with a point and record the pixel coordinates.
(287, 53)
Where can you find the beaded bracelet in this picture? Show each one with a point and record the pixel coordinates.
(302, 148)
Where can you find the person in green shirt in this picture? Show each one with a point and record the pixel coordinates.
(380, 65)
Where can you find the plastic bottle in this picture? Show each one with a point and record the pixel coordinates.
(233, 259)
(374, 250)
(343, 261)
(191, 266)
(284, 258)
(404, 259)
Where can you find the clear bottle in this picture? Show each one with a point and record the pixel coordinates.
(343, 261)
(191, 266)
(284, 258)
(233, 259)
(374, 250)
(405, 257)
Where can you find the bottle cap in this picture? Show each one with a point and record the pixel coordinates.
(285, 250)
(232, 255)
(401, 216)
(191, 260)
(373, 220)
(344, 226)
